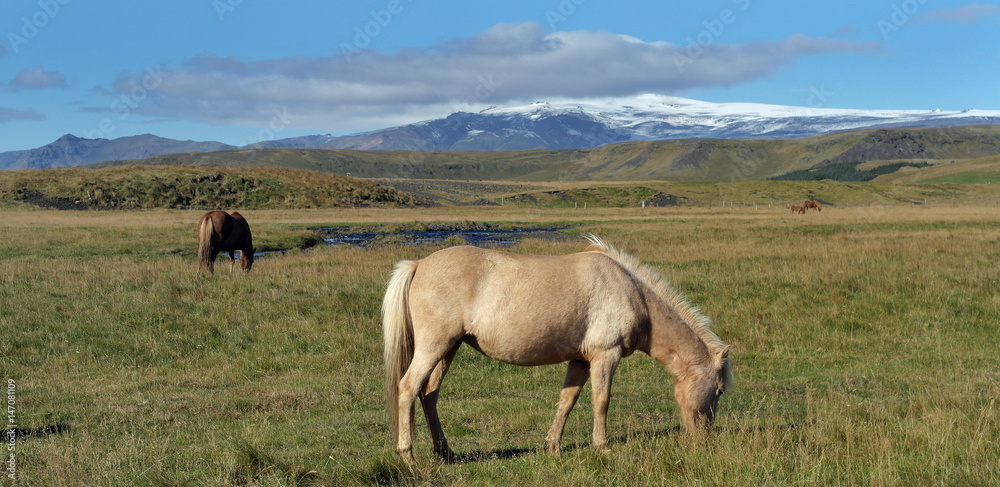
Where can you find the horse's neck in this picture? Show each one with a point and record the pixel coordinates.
(671, 341)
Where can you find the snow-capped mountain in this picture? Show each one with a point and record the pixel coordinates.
(592, 123)
(571, 124)
(666, 117)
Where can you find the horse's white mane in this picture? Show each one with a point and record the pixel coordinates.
(699, 323)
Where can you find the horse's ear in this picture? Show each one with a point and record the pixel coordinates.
(724, 354)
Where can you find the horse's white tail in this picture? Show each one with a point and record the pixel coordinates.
(397, 336)
(205, 230)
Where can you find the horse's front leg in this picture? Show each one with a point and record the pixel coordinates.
(576, 376)
(232, 260)
(603, 370)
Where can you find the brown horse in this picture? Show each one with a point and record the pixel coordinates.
(811, 204)
(590, 309)
(798, 209)
(219, 231)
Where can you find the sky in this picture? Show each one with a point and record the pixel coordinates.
(242, 71)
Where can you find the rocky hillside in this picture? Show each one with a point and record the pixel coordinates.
(895, 144)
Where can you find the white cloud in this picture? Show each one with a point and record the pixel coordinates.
(966, 14)
(9, 114)
(38, 78)
(507, 63)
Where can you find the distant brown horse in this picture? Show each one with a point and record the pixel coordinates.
(219, 231)
(798, 209)
(811, 204)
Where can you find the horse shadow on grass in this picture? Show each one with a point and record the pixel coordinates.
(486, 455)
(42, 431)
(511, 453)
(622, 439)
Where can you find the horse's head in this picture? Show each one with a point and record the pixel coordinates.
(698, 392)
(246, 259)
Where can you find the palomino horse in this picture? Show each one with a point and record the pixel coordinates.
(811, 204)
(219, 231)
(798, 209)
(590, 308)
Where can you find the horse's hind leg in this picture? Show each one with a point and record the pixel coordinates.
(425, 361)
(211, 261)
(576, 376)
(428, 401)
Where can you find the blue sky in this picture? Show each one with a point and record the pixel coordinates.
(238, 71)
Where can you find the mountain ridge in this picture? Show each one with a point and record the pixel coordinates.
(70, 150)
(568, 124)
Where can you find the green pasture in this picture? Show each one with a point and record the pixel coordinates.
(971, 177)
(864, 342)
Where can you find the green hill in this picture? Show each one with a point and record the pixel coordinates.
(668, 172)
(747, 194)
(189, 187)
(974, 171)
(675, 160)
(140, 187)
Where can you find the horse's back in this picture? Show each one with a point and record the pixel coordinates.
(232, 232)
(525, 309)
(241, 229)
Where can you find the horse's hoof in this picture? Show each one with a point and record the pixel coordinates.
(407, 457)
(447, 455)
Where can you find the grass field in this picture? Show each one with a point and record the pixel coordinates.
(864, 342)
(969, 178)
